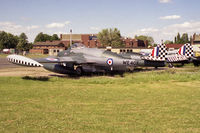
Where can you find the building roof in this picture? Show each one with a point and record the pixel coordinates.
(53, 43)
(74, 37)
(175, 46)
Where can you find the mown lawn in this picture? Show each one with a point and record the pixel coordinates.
(154, 101)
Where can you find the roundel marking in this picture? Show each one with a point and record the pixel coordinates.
(109, 61)
(52, 59)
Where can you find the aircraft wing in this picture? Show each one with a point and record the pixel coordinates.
(55, 60)
(22, 60)
(77, 59)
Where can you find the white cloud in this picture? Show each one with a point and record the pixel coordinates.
(164, 1)
(32, 27)
(9, 26)
(17, 29)
(57, 25)
(147, 30)
(170, 31)
(170, 17)
(95, 28)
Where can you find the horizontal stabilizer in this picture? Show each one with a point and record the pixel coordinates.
(22, 60)
(177, 58)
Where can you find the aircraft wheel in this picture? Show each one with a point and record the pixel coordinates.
(79, 71)
(196, 63)
(170, 65)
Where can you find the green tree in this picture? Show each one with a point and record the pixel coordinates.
(110, 37)
(146, 38)
(185, 38)
(55, 37)
(168, 42)
(45, 37)
(181, 39)
(175, 40)
(178, 38)
(8, 40)
(23, 44)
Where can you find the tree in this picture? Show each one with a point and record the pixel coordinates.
(8, 40)
(181, 39)
(178, 38)
(40, 38)
(45, 37)
(110, 37)
(55, 37)
(185, 38)
(23, 43)
(168, 42)
(145, 38)
(175, 40)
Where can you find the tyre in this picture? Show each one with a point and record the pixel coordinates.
(79, 71)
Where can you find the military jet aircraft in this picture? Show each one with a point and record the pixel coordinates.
(79, 59)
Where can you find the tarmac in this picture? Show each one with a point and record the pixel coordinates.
(10, 69)
(5, 64)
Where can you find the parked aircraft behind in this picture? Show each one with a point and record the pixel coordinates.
(184, 54)
(79, 59)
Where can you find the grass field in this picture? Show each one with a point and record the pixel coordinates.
(151, 101)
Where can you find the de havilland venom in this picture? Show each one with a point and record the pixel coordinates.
(79, 59)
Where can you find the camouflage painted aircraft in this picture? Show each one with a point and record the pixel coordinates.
(79, 59)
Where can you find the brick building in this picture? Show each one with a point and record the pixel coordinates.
(51, 48)
(195, 41)
(172, 47)
(89, 40)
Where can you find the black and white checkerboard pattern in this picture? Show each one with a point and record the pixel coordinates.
(176, 58)
(188, 50)
(161, 55)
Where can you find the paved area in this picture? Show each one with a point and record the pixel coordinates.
(5, 64)
(10, 69)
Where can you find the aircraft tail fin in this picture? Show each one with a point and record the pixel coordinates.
(158, 53)
(184, 53)
(186, 50)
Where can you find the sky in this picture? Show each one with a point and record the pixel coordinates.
(161, 19)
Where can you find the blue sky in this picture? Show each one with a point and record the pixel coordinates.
(161, 19)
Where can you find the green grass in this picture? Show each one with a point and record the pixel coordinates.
(158, 101)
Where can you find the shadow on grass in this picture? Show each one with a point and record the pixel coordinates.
(110, 74)
(41, 78)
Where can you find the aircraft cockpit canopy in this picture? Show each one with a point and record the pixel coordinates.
(77, 46)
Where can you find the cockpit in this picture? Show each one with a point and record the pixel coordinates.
(74, 47)
(77, 46)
